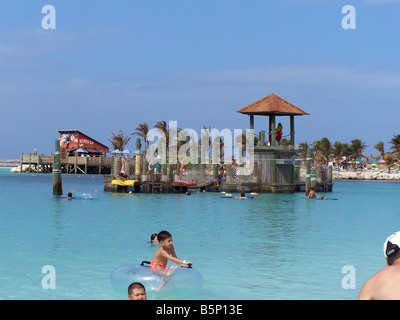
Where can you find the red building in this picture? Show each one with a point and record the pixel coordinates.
(72, 141)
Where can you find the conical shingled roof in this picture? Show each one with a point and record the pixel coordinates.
(272, 104)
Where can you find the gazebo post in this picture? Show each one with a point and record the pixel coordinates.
(252, 121)
(292, 130)
(272, 141)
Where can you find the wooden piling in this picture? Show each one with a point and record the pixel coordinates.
(262, 138)
(273, 133)
(158, 168)
(313, 178)
(308, 171)
(273, 167)
(137, 164)
(57, 180)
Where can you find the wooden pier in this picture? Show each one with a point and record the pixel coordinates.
(69, 165)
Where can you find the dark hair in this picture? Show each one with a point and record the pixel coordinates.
(135, 285)
(69, 194)
(392, 253)
(242, 194)
(163, 235)
(153, 236)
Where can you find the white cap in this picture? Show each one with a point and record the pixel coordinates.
(392, 244)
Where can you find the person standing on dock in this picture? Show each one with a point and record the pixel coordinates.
(234, 166)
(122, 175)
(181, 168)
(279, 132)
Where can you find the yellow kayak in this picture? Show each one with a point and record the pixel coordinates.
(125, 183)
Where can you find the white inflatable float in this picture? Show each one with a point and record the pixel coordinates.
(183, 280)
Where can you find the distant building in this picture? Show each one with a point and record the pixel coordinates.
(72, 141)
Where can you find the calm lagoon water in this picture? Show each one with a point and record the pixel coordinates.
(276, 246)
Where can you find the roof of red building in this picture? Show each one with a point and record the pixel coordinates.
(79, 132)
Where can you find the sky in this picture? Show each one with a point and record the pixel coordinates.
(111, 65)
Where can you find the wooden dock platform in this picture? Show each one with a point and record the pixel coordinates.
(69, 165)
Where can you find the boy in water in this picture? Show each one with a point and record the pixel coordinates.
(166, 252)
(69, 197)
(242, 196)
(312, 194)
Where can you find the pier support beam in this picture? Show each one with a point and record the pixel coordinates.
(57, 181)
(308, 171)
(313, 178)
(137, 159)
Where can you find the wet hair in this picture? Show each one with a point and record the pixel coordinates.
(153, 236)
(69, 194)
(163, 235)
(135, 285)
(242, 194)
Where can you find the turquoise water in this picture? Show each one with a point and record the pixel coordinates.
(276, 246)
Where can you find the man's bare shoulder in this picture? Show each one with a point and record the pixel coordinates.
(383, 285)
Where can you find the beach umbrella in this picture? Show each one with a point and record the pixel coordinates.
(81, 150)
(373, 161)
(382, 161)
(126, 151)
(116, 151)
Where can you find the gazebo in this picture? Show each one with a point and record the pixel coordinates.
(273, 106)
(275, 164)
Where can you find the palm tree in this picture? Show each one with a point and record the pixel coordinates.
(389, 160)
(119, 141)
(337, 149)
(241, 141)
(204, 143)
(357, 149)
(217, 141)
(346, 150)
(323, 149)
(163, 128)
(302, 154)
(395, 142)
(380, 146)
(142, 131)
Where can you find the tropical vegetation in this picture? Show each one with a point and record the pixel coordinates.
(323, 150)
